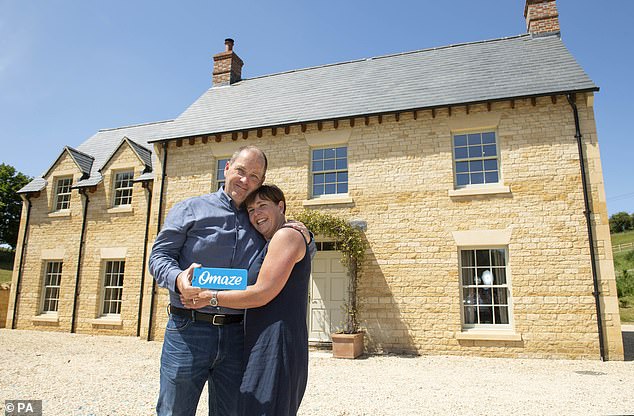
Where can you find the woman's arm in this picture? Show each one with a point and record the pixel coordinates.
(286, 248)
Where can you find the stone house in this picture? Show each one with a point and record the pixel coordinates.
(474, 168)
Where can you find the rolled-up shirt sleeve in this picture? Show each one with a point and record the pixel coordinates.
(164, 263)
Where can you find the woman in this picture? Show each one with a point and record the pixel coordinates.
(276, 337)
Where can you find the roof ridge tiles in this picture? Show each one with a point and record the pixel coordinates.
(136, 125)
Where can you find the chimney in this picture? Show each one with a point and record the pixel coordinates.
(541, 16)
(227, 66)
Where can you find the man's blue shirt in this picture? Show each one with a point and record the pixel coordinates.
(209, 230)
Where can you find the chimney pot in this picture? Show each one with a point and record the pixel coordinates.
(228, 45)
(227, 66)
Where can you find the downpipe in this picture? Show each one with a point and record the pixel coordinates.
(587, 212)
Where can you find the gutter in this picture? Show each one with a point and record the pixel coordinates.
(79, 256)
(27, 198)
(158, 229)
(146, 185)
(339, 118)
(587, 212)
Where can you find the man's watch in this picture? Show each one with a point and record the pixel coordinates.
(214, 298)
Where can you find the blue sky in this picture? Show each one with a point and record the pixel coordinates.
(69, 68)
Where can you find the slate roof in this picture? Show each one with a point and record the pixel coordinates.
(513, 67)
(101, 147)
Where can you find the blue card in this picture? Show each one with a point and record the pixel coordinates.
(220, 279)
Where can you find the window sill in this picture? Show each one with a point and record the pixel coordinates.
(120, 209)
(328, 200)
(483, 335)
(61, 213)
(46, 318)
(484, 190)
(107, 321)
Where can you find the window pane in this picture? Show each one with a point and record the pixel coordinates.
(329, 164)
(342, 163)
(469, 296)
(342, 177)
(501, 315)
(470, 316)
(489, 150)
(319, 178)
(468, 276)
(482, 259)
(331, 177)
(467, 257)
(499, 296)
(318, 166)
(498, 257)
(331, 188)
(499, 276)
(476, 166)
(460, 140)
(318, 154)
(485, 297)
(461, 153)
(486, 314)
(475, 138)
(491, 177)
(488, 137)
(475, 151)
(342, 188)
(477, 178)
(318, 190)
(462, 179)
(462, 167)
(329, 153)
(491, 164)
(342, 152)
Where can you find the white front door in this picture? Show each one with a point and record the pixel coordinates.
(327, 294)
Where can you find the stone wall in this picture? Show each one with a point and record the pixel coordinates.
(401, 184)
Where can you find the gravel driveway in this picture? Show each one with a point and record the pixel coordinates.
(99, 375)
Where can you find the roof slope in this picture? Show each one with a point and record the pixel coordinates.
(101, 147)
(517, 66)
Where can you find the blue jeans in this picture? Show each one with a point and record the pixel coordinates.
(195, 353)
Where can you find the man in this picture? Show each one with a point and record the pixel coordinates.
(206, 344)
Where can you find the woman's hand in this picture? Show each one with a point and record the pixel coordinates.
(197, 302)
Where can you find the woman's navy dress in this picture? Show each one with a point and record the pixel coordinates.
(276, 346)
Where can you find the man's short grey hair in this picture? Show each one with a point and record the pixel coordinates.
(250, 148)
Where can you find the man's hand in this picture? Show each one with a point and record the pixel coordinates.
(299, 226)
(184, 284)
(200, 301)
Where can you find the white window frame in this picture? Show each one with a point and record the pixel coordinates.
(109, 299)
(219, 180)
(63, 193)
(121, 194)
(49, 287)
(325, 171)
(467, 326)
(469, 159)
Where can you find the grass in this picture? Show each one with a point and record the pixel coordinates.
(6, 265)
(624, 261)
(622, 238)
(627, 312)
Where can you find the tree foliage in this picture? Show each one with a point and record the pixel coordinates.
(10, 203)
(352, 245)
(621, 221)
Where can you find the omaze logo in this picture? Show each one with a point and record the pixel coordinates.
(220, 279)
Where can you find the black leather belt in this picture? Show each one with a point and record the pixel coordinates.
(213, 318)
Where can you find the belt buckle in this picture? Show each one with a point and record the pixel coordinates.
(214, 322)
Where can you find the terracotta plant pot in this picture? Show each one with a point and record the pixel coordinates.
(347, 345)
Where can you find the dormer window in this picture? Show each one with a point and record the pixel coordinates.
(63, 193)
(123, 188)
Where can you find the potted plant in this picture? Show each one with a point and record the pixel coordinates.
(348, 341)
